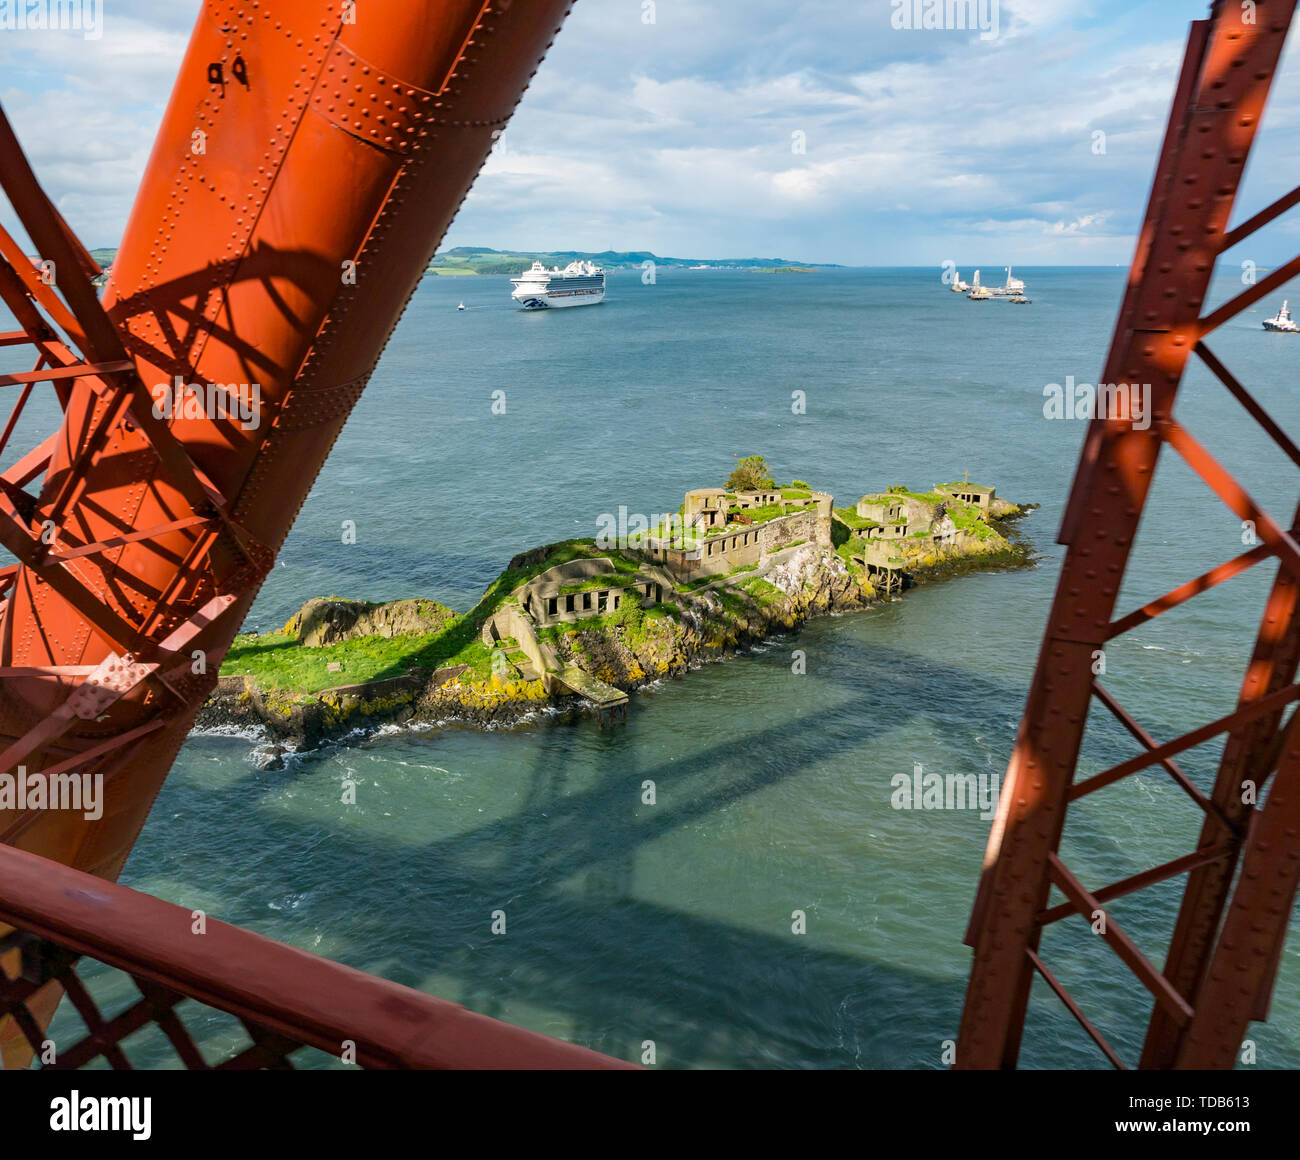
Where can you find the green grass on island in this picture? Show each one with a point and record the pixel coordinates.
(850, 517)
(278, 661)
(853, 546)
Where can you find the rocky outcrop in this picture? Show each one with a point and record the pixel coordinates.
(330, 620)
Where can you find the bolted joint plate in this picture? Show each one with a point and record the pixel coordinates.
(110, 682)
(362, 100)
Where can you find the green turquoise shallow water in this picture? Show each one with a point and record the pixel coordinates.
(627, 922)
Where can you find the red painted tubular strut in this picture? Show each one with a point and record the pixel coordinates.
(1223, 955)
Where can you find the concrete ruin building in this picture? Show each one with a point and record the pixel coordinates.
(718, 533)
(888, 523)
(972, 493)
(723, 530)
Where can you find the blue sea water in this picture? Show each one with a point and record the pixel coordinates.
(673, 922)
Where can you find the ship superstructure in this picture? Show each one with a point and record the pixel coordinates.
(1282, 321)
(1012, 288)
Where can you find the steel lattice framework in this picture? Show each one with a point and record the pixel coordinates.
(309, 162)
(1242, 875)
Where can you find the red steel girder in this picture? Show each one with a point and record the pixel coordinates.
(1214, 981)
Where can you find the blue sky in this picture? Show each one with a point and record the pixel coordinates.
(678, 136)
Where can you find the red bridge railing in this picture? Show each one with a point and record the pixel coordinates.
(286, 999)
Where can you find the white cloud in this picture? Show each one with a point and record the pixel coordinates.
(677, 136)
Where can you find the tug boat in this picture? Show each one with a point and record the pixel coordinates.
(1281, 321)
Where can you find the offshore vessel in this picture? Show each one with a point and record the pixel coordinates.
(1014, 287)
(578, 284)
(978, 292)
(1282, 321)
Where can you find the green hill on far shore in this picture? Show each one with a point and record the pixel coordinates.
(463, 260)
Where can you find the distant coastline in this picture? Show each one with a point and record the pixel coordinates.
(466, 260)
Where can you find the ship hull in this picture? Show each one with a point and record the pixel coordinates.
(557, 299)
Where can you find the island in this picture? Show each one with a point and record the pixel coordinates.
(581, 624)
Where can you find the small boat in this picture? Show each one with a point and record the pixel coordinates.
(1019, 300)
(1281, 321)
(461, 306)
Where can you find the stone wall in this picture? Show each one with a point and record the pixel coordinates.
(718, 554)
(513, 621)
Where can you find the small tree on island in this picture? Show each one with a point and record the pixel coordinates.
(750, 474)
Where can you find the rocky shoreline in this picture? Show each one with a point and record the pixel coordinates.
(716, 621)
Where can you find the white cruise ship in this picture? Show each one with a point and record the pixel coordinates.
(578, 284)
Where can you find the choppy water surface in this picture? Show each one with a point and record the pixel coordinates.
(629, 922)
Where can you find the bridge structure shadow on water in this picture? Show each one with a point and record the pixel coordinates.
(563, 867)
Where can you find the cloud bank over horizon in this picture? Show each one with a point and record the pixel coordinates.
(811, 130)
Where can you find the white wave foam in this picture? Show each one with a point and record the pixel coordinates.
(243, 732)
